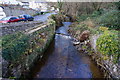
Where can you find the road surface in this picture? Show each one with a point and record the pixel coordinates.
(43, 18)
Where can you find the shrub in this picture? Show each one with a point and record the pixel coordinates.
(117, 4)
(97, 13)
(101, 28)
(52, 16)
(110, 19)
(82, 17)
(83, 27)
(108, 44)
(12, 49)
(15, 47)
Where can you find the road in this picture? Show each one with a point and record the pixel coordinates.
(43, 18)
(39, 18)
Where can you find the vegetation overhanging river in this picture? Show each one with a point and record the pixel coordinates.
(62, 60)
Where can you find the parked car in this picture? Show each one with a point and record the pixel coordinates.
(22, 18)
(9, 19)
(27, 17)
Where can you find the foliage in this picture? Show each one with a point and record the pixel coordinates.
(83, 27)
(51, 22)
(86, 16)
(108, 44)
(82, 17)
(16, 47)
(102, 28)
(59, 5)
(117, 4)
(110, 19)
(52, 16)
(10, 38)
(97, 13)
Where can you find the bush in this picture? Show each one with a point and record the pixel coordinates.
(110, 19)
(82, 17)
(108, 44)
(52, 16)
(101, 28)
(117, 4)
(13, 46)
(83, 27)
(97, 13)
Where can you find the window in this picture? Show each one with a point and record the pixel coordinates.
(27, 16)
(6, 18)
(13, 18)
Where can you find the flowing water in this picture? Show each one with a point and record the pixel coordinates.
(62, 60)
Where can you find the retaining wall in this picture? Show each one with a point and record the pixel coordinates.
(11, 28)
(37, 42)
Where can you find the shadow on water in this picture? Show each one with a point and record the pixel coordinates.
(40, 63)
(62, 60)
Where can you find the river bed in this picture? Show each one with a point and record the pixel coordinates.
(62, 60)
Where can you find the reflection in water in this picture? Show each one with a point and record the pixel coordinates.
(62, 60)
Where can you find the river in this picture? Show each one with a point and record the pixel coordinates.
(62, 60)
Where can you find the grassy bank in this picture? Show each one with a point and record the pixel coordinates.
(106, 26)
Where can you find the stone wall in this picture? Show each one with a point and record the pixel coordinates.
(11, 10)
(11, 28)
(44, 35)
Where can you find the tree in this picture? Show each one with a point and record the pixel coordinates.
(117, 4)
(97, 5)
(59, 5)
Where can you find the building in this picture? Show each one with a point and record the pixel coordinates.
(9, 2)
(25, 4)
(42, 6)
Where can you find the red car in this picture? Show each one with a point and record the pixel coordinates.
(9, 19)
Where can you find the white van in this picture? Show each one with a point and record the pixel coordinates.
(2, 13)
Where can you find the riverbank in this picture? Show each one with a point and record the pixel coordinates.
(62, 60)
(89, 45)
(24, 49)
